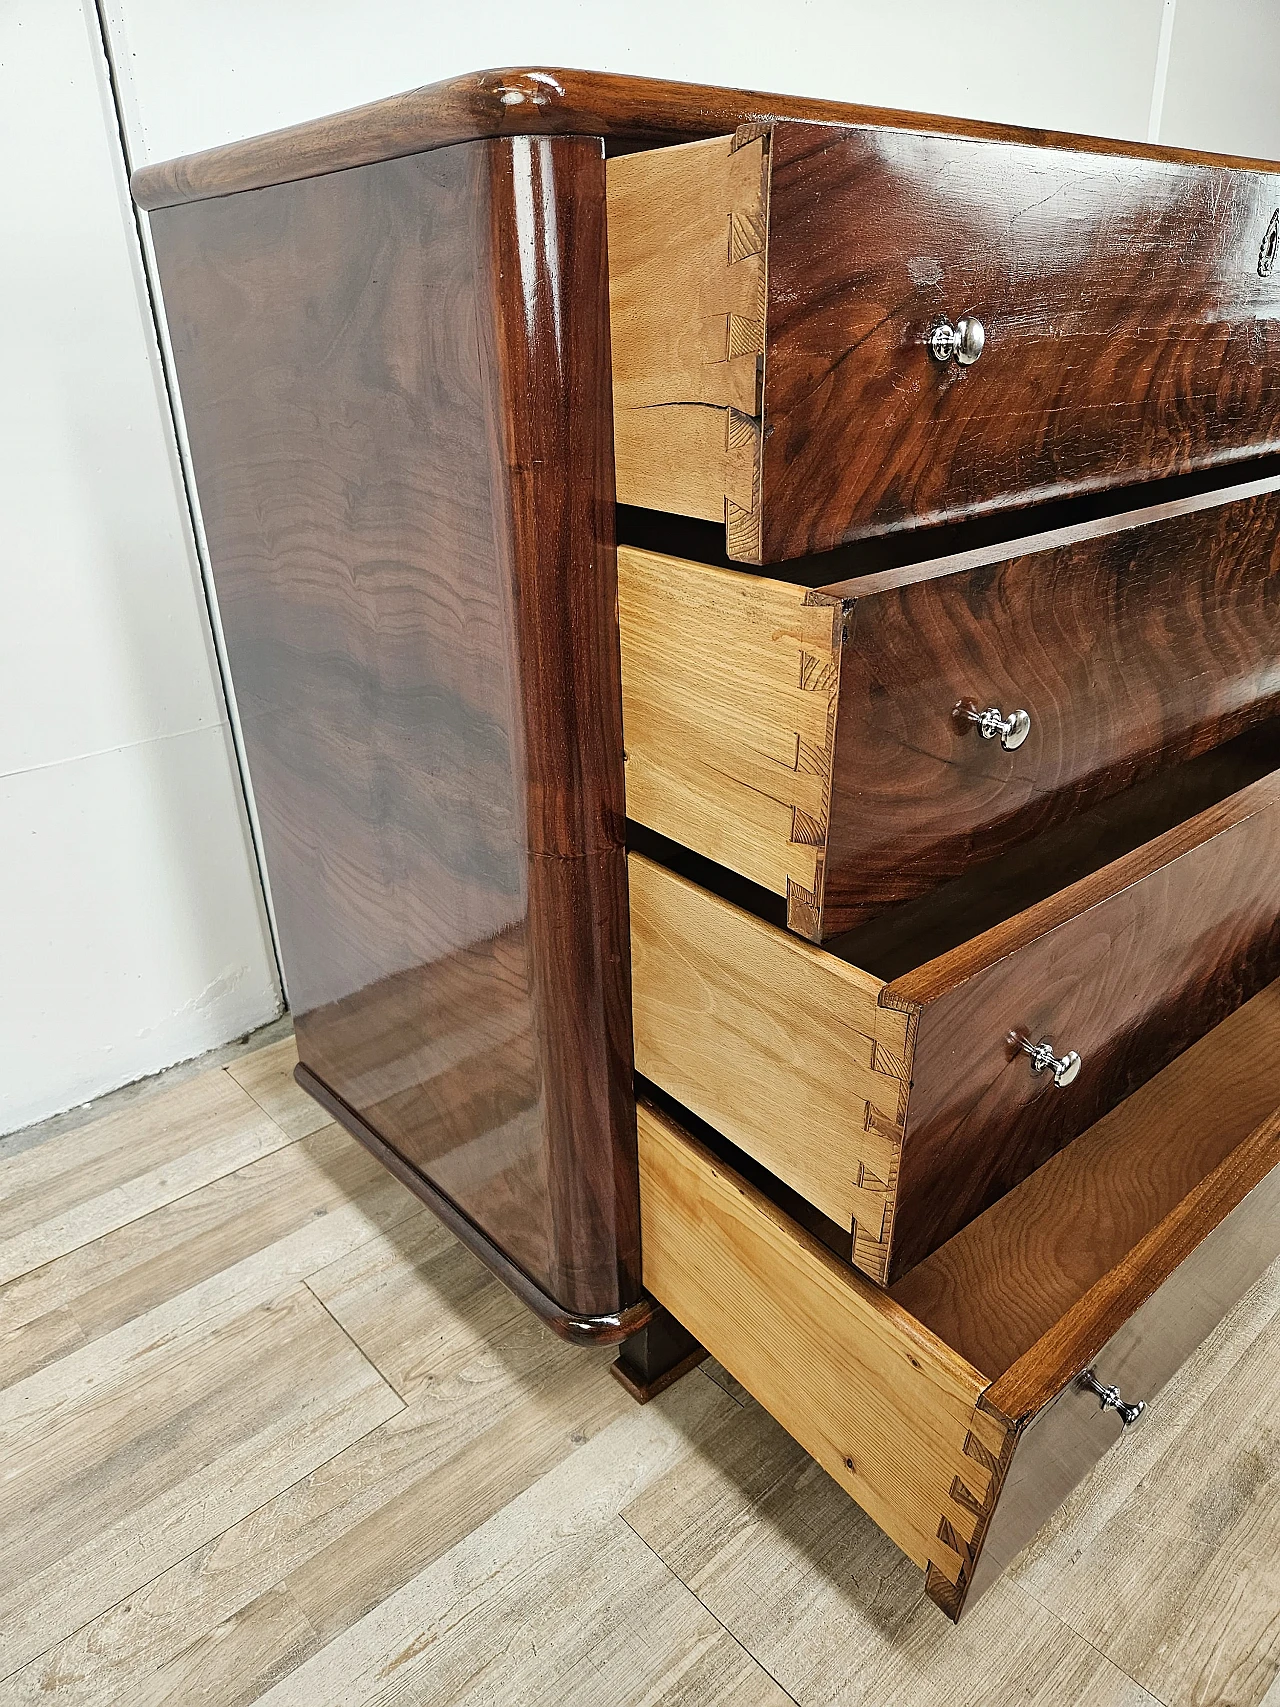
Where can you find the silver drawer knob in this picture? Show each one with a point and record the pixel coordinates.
(1012, 730)
(1064, 1067)
(1109, 1399)
(964, 340)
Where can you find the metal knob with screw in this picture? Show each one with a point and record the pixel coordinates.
(1012, 730)
(962, 342)
(1109, 1399)
(1064, 1068)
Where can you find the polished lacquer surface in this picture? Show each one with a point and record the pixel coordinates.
(1132, 327)
(395, 383)
(1131, 648)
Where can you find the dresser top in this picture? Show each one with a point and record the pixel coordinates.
(630, 112)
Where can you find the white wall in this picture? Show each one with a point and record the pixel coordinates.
(200, 72)
(1224, 77)
(132, 931)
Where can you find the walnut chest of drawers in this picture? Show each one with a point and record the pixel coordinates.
(755, 631)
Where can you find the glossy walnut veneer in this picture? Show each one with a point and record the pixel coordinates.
(774, 295)
(628, 112)
(810, 734)
(885, 1084)
(405, 473)
(949, 1409)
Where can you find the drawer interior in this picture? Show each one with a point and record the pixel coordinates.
(1064, 1239)
(885, 1083)
(1121, 1253)
(908, 936)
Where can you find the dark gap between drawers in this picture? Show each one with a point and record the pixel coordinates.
(1004, 1281)
(909, 935)
(728, 885)
(1068, 1242)
(703, 542)
(838, 1240)
(915, 932)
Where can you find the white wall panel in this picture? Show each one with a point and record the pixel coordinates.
(1223, 88)
(201, 72)
(131, 927)
(130, 934)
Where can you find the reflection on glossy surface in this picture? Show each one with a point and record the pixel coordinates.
(1130, 649)
(1128, 332)
(399, 423)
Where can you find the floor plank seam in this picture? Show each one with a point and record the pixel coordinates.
(266, 1111)
(1157, 1700)
(147, 1583)
(755, 1660)
(351, 1339)
(155, 1209)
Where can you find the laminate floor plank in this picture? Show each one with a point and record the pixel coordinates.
(1194, 1615)
(102, 1285)
(271, 1434)
(31, 1342)
(421, 1304)
(808, 1584)
(68, 1190)
(148, 1456)
(552, 1599)
(267, 1075)
(497, 1415)
(810, 1587)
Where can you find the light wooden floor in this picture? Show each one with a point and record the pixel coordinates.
(270, 1434)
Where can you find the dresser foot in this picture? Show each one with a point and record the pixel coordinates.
(658, 1355)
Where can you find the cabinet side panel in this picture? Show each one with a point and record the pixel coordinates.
(340, 352)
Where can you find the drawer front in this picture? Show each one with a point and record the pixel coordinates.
(907, 1108)
(1126, 968)
(1130, 650)
(1130, 310)
(1066, 1439)
(819, 743)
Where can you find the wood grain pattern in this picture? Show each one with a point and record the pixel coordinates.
(782, 1048)
(1059, 1354)
(500, 1410)
(178, 1142)
(1089, 376)
(886, 1409)
(729, 687)
(1128, 967)
(741, 1273)
(1006, 1280)
(239, 1403)
(323, 1192)
(400, 425)
(267, 1075)
(534, 101)
(1132, 645)
(687, 326)
(1102, 364)
(1131, 651)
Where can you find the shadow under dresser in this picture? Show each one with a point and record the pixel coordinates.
(754, 628)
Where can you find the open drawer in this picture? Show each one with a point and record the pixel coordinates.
(905, 1082)
(956, 1410)
(825, 738)
(825, 331)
